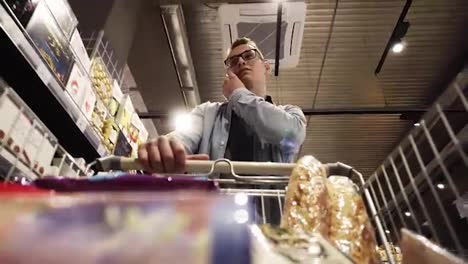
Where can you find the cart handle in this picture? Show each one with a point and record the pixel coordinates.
(200, 166)
(223, 166)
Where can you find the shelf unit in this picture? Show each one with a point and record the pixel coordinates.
(14, 162)
(24, 69)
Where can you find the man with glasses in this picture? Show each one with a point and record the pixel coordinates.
(247, 127)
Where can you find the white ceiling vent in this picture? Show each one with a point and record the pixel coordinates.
(258, 22)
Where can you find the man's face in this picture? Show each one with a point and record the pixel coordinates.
(251, 72)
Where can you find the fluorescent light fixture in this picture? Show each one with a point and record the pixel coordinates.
(398, 47)
(408, 214)
(441, 186)
(417, 124)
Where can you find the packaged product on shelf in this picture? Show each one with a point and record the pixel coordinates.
(102, 82)
(23, 9)
(63, 15)
(142, 131)
(77, 84)
(32, 147)
(21, 130)
(110, 133)
(99, 111)
(66, 168)
(52, 44)
(134, 128)
(122, 147)
(80, 51)
(89, 102)
(137, 132)
(9, 111)
(177, 227)
(116, 98)
(45, 155)
(125, 114)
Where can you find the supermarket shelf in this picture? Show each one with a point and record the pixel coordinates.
(24, 69)
(7, 160)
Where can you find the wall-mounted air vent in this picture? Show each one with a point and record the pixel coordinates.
(258, 22)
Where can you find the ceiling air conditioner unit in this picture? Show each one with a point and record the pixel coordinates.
(258, 22)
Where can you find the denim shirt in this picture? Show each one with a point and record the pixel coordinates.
(279, 129)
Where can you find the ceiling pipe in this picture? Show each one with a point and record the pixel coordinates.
(174, 26)
(279, 22)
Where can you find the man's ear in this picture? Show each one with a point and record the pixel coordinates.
(267, 68)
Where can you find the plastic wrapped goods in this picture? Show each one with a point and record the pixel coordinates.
(350, 229)
(306, 198)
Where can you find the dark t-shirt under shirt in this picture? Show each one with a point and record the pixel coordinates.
(241, 139)
(240, 148)
(240, 142)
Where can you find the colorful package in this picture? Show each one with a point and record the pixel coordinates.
(182, 227)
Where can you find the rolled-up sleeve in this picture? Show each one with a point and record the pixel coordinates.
(273, 124)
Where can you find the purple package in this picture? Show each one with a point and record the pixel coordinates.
(125, 183)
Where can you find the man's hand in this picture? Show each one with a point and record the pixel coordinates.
(231, 82)
(165, 155)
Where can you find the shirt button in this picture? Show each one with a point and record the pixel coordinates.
(221, 143)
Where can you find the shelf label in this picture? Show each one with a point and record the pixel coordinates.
(43, 73)
(82, 123)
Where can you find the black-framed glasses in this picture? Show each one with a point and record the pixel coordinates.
(247, 55)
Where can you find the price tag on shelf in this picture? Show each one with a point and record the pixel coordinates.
(82, 123)
(43, 73)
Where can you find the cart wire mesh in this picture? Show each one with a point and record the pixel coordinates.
(422, 184)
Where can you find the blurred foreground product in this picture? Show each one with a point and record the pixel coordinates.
(176, 227)
(298, 247)
(418, 249)
(123, 183)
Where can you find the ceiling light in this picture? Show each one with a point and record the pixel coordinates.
(398, 47)
(386, 231)
(182, 121)
(441, 186)
(408, 214)
(417, 124)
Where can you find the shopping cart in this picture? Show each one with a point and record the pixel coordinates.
(268, 189)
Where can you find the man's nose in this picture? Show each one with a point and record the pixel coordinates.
(241, 61)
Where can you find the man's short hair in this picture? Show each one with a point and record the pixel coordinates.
(245, 41)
